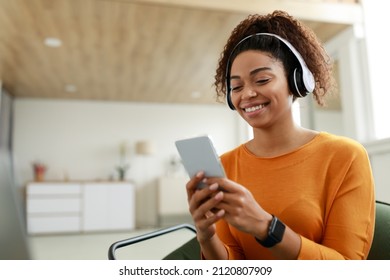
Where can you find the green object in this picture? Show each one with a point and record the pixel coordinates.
(188, 251)
(380, 249)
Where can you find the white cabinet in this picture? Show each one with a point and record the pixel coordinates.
(76, 207)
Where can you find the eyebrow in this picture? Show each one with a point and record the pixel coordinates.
(253, 72)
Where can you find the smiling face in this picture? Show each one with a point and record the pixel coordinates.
(260, 91)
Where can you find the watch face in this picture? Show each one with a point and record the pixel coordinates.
(277, 229)
(275, 233)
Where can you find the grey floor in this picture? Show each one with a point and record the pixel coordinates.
(94, 246)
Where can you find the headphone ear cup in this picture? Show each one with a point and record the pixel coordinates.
(296, 83)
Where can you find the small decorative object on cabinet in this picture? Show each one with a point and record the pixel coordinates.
(39, 171)
(123, 165)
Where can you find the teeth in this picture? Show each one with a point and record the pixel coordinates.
(254, 108)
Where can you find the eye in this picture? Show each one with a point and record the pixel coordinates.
(236, 88)
(262, 81)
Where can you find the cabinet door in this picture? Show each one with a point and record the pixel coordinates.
(121, 201)
(108, 206)
(95, 204)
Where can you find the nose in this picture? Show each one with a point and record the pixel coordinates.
(249, 92)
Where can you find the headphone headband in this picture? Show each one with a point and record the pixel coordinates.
(306, 77)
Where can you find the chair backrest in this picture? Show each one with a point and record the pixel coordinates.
(189, 252)
(380, 249)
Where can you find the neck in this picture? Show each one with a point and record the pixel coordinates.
(274, 142)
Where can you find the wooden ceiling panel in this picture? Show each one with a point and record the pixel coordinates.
(116, 50)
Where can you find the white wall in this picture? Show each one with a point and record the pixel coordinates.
(80, 140)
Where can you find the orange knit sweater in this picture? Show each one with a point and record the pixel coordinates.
(324, 191)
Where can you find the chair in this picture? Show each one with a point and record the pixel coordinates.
(380, 249)
(188, 251)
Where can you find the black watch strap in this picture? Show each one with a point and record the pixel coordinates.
(275, 233)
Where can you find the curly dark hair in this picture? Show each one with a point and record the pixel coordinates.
(301, 37)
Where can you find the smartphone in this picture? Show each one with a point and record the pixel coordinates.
(198, 154)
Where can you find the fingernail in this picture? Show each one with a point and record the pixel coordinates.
(199, 174)
(218, 196)
(220, 213)
(213, 187)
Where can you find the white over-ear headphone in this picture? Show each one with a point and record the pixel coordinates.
(301, 81)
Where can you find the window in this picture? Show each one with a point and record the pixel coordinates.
(375, 14)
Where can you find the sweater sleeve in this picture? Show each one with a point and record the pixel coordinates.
(233, 249)
(348, 229)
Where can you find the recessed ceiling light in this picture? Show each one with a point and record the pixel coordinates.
(70, 88)
(53, 42)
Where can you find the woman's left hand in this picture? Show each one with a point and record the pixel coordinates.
(241, 209)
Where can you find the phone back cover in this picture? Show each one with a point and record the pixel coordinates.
(198, 154)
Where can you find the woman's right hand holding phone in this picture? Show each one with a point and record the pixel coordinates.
(203, 208)
(202, 205)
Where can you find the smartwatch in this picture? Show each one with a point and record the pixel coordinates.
(275, 233)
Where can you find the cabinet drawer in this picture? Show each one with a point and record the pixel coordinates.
(53, 205)
(53, 189)
(53, 224)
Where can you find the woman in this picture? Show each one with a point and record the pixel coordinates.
(290, 192)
